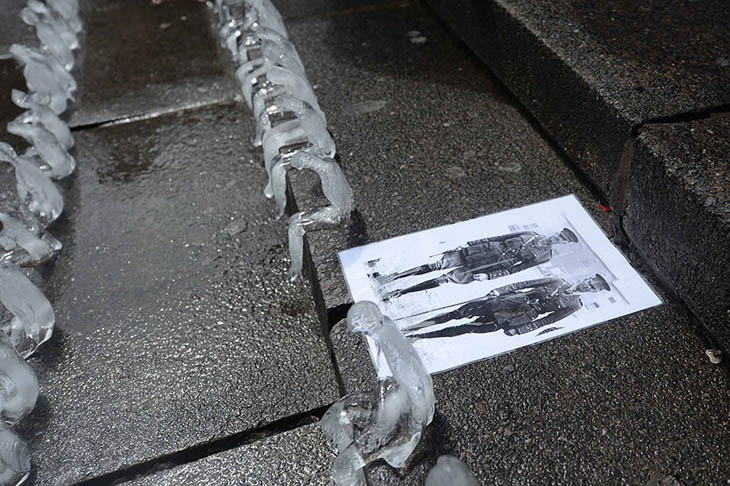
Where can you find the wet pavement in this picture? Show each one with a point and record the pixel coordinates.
(422, 146)
(596, 76)
(183, 355)
(140, 58)
(176, 323)
(618, 403)
(299, 457)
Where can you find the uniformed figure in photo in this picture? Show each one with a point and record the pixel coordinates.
(517, 308)
(484, 259)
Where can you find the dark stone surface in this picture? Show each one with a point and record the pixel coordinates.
(176, 323)
(423, 135)
(291, 9)
(12, 29)
(11, 76)
(679, 212)
(619, 403)
(139, 59)
(298, 457)
(589, 71)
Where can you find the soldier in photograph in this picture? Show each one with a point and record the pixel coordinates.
(484, 259)
(517, 308)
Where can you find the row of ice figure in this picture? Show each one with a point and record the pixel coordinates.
(27, 318)
(290, 125)
(292, 128)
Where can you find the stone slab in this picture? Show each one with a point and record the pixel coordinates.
(176, 322)
(291, 9)
(423, 135)
(139, 58)
(12, 29)
(678, 212)
(591, 72)
(298, 457)
(621, 403)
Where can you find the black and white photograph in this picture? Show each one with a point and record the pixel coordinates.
(479, 288)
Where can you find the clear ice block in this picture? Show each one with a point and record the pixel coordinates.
(450, 471)
(59, 163)
(389, 426)
(18, 385)
(41, 113)
(32, 320)
(21, 246)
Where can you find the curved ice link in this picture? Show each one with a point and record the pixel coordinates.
(69, 10)
(50, 37)
(45, 76)
(40, 113)
(337, 191)
(20, 246)
(35, 189)
(405, 404)
(14, 458)
(33, 317)
(272, 54)
(450, 471)
(18, 385)
(59, 162)
(283, 81)
(268, 16)
(307, 127)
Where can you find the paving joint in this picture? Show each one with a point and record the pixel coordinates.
(196, 453)
(153, 114)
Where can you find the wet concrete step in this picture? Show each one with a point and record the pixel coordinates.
(300, 457)
(176, 324)
(593, 75)
(421, 145)
(678, 212)
(625, 402)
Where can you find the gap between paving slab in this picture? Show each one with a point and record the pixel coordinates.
(176, 324)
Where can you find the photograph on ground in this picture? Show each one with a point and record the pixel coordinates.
(479, 288)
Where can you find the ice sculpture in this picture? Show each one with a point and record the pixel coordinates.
(307, 126)
(280, 81)
(69, 10)
(389, 426)
(14, 458)
(32, 318)
(35, 189)
(18, 386)
(49, 38)
(278, 52)
(40, 113)
(450, 471)
(23, 248)
(45, 76)
(337, 191)
(57, 159)
(266, 16)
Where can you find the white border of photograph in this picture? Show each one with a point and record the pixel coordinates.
(593, 253)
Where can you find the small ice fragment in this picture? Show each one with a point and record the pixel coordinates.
(35, 189)
(40, 113)
(307, 126)
(69, 10)
(45, 76)
(14, 458)
(59, 161)
(32, 318)
(389, 425)
(21, 246)
(450, 471)
(337, 191)
(18, 385)
(54, 33)
(419, 40)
